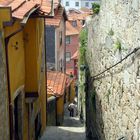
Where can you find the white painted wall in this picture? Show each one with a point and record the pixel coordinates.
(82, 3)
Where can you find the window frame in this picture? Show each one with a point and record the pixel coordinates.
(68, 39)
(67, 3)
(86, 4)
(68, 57)
(77, 4)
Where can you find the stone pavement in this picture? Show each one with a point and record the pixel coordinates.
(72, 129)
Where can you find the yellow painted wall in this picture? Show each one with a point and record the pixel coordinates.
(27, 66)
(60, 105)
(35, 65)
(72, 91)
(16, 58)
(31, 81)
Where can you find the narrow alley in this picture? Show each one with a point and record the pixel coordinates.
(72, 129)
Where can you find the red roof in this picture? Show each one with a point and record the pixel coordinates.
(75, 55)
(20, 8)
(56, 82)
(55, 21)
(70, 30)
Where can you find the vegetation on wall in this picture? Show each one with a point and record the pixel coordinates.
(95, 8)
(118, 45)
(83, 45)
(111, 32)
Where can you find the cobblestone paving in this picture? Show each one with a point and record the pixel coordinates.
(72, 129)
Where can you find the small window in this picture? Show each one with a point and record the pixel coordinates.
(87, 4)
(67, 3)
(82, 22)
(67, 39)
(68, 56)
(76, 4)
(60, 35)
(74, 23)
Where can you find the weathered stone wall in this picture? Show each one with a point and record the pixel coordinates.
(4, 119)
(118, 90)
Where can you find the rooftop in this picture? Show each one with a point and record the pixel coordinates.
(55, 21)
(20, 8)
(70, 30)
(56, 82)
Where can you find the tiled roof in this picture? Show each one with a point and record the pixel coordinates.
(56, 82)
(77, 16)
(69, 71)
(75, 55)
(70, 30)
(20, 8)
(46, 5)
(55, 21)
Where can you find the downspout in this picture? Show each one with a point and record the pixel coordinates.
(45, 64)
(8, 81)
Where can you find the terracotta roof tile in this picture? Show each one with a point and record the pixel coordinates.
(75, 55)
(24, 9)
(69, 71)
(20, 7)
(55, 21)
(56, 83)
(70, 30)
(16, 3)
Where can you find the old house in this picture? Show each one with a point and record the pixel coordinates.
(55, 38)
(72, 46)
(75, 23)
(56, 85)
(23, 58)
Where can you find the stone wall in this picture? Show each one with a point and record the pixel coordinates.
(113, 34)
(4, 119)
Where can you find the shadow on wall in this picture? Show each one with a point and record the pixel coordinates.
(94, 120)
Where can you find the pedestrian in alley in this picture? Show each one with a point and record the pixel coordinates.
(72, 108)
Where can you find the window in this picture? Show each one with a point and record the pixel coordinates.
(68, 56)
(87, 4)
(82, 22)
(67, 39)
(76, 4)
(60, 35)
(74, 23)
(67, 3)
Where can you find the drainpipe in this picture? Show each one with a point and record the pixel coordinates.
(45, 64)
(8, 82)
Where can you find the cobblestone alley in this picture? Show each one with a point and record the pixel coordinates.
(72, 129)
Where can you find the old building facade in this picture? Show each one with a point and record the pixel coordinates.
(23, 71)
(55, 39)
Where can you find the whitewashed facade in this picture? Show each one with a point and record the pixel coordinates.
(78, 4)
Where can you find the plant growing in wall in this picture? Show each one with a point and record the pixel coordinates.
(111, 32)
(118, 45)
(95, 8)
(83, 45)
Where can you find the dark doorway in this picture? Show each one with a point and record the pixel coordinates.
(18, 117)
(38, 126)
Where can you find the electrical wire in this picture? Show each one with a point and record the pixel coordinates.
(107, 69)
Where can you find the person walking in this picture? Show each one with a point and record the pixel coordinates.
(72, 108)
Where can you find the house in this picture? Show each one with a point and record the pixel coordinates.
(56, 84)
(55, 38)
(72, 46)
(75, 23)
(78, 4)
(23, 66)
